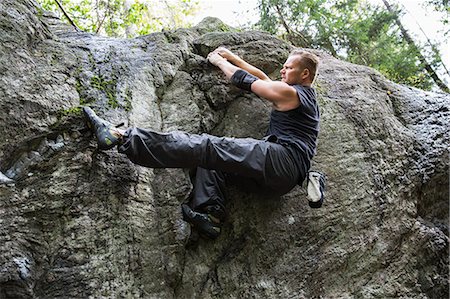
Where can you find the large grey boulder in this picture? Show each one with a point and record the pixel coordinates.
(79, 223)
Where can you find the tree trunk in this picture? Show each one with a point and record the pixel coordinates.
(67, 16)
(411, 42)
(294, 37)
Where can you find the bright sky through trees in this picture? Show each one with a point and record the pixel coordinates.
(402, 57)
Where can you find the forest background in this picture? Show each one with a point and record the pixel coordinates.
(375, 33)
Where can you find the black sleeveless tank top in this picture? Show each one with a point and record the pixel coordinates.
(298, 128)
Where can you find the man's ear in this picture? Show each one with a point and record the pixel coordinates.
(305, 74)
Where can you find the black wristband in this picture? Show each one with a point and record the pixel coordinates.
(243, 79)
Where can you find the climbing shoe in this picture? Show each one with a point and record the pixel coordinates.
(104, 131)
(315, 186)
(206, 225)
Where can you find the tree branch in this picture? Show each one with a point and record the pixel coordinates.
(433, 49)
(410, 41)
(290, 32)
(283, 22)
(67, 16)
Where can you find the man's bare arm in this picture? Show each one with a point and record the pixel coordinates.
(241, 63)
(283, 96)
(227, 68)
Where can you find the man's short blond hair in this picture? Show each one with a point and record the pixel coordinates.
(308, 60)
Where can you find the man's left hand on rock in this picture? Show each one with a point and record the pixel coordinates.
(214, 58)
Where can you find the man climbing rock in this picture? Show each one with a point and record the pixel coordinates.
(273, 165)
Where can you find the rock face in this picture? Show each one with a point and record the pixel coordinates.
(79, 223)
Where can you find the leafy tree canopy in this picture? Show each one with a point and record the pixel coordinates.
(354, 30)
(124, 18)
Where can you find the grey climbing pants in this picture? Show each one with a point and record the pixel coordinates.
(256, 165)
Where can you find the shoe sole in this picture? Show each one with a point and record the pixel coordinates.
(319, 203)
(205, 227)
(108, 142)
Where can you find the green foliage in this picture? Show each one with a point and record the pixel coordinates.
(128, 97)
(349, 29)
(72, 111)
(109, 87)
(125, 18)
